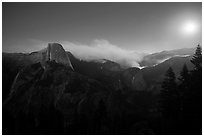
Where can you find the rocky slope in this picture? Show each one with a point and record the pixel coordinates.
(57, 89)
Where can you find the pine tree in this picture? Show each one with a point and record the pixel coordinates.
(184, 81)
(194, 103)
(184, 75)
(184, 85)
(169, 104)
(184, 89)
(196, 74)
(191, 86)
(197, 58)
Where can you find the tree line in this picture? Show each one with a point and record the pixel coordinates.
(180, 102)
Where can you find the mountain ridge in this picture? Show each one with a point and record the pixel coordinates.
(103, 71)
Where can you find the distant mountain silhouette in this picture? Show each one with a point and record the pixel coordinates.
(157, 58)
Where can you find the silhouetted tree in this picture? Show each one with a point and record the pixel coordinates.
(191, 89)
(196, 74)
(169, 104)
(184, 84)
(184, 89)
(197, 58)
(193, 104)
(184, 75)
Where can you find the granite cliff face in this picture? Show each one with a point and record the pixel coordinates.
(55, 52)
(133, 79)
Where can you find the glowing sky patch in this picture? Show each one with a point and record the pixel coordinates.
(190, 27)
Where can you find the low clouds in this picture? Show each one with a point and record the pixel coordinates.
(102, 49)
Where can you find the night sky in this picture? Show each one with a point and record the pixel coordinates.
(136, 27)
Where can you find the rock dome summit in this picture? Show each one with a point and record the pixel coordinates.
(55, 52)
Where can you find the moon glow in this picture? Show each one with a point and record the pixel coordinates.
(189, 28)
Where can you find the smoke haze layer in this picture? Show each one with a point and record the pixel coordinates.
(102, 49)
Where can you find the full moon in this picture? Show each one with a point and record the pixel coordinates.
(189, 28)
